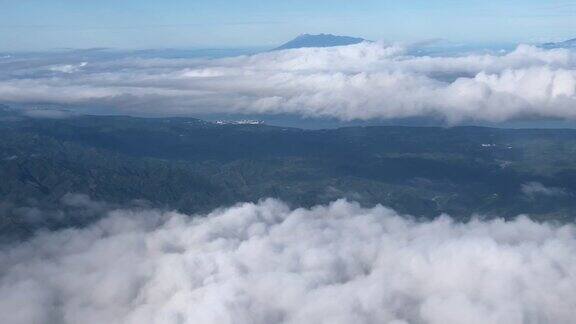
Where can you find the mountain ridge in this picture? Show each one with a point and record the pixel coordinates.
(319, 40)
(570, 43)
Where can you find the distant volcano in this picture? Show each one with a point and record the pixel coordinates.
(321, 40)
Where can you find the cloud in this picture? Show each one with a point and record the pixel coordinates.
(364, 81)
(68, 68)
(533, 189)
(267, 263)
(21, 220)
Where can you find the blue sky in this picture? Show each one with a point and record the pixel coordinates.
(52, 24)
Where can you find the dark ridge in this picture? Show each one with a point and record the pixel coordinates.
(321, 40)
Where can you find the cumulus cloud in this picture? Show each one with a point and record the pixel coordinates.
(267, 263)
(363, 81)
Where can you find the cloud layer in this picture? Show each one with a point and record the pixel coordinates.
(364, 81)
(267, 263)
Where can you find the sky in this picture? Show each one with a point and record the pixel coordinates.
(130, 24)
(337, 263)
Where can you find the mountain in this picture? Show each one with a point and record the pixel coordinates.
(8, 113)
(321, 40)
(571, 43)
(194, 166)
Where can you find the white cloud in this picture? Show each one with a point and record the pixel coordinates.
(533, 189)
(364, 81)
(266, 263)
(67, 68)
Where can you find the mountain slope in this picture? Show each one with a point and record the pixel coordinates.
(195, 166)
(571, 43)
(321, 40)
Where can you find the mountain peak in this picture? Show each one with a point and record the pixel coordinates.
(320, 40)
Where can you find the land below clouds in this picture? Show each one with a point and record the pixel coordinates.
(195, 166)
